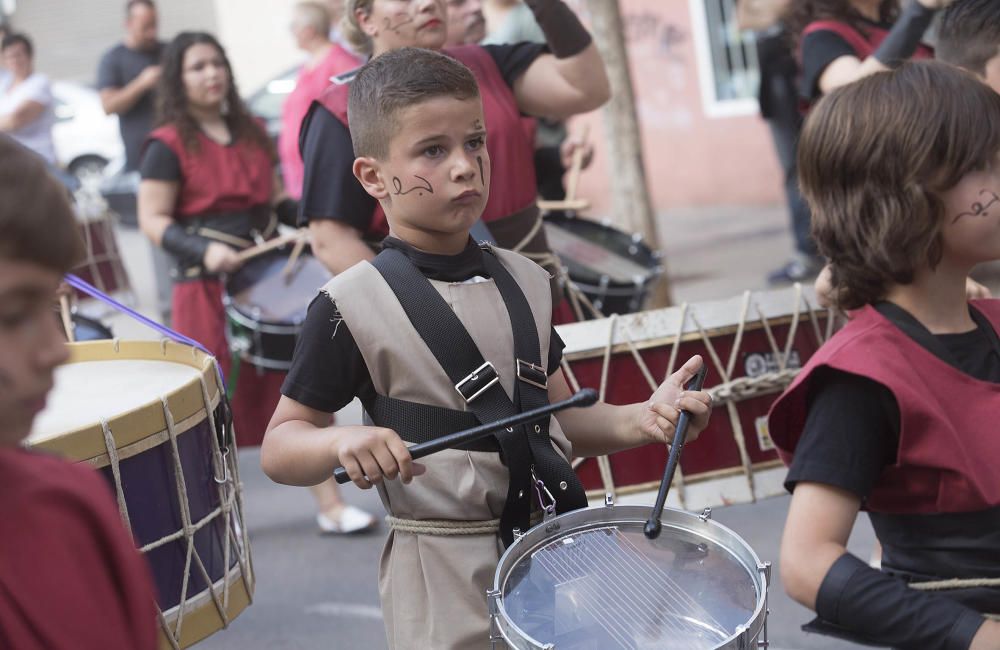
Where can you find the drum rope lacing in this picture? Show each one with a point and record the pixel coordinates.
(730, 390)
(227, 495)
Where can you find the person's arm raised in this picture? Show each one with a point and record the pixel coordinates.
(898, 46)
(572, 79)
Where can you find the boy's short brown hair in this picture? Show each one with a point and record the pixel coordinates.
(396, 80)
(969, 34)
(37, 223)
(874, 158)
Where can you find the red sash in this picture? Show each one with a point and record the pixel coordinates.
(863, 44)
(949, 444)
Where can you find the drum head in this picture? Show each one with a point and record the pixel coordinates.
(261, 291)
(608, 587)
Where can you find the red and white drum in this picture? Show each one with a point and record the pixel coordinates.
(754, 345)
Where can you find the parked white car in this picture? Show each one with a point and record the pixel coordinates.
(86, 139)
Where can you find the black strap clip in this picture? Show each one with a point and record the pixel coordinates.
(477, 382)
(532, 374)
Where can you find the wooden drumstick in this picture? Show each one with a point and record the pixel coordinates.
(67, 319)
(573, 181)
(269, 245)
(290, 264)
(582, 398)
(652, 527)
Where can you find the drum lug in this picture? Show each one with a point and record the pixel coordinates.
(609, 500)
(706, 514)
(765, 570)
(493, 600)
(517, 534)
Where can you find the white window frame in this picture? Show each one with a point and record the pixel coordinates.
(713, 107)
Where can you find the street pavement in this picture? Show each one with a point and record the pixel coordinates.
(320, 592)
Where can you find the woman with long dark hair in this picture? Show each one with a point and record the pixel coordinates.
(208, 184)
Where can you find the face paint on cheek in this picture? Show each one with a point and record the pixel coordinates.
(482, 176)
(398, 186)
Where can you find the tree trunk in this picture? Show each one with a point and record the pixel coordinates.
(630, 195)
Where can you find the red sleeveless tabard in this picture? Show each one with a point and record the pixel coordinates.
(864, 45)
(512, 185)
(218, 178)
(949, 441)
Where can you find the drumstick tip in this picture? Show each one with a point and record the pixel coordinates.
(652, 528)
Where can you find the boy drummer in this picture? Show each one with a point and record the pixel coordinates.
(406, 332)
(70, 576)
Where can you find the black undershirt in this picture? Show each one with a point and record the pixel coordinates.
(329, 188)
(328, 370)
(819, 50)
(852, 433)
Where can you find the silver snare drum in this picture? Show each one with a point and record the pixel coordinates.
(590, 579)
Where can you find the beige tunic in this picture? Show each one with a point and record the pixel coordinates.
(433, 588)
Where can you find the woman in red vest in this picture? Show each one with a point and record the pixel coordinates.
(896, 414)
(558, 79)
(841, 41)
(208, 182)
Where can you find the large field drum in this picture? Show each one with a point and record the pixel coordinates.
(753, 344)
(146, 415)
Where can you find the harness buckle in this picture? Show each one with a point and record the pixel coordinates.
(477, 382)
(531, 374)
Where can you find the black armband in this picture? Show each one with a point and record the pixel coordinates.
(877, 608)
(287, 212)
(904, 37)
(186, 247)
(564, 33)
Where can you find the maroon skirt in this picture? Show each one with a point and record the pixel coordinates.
(198, 313)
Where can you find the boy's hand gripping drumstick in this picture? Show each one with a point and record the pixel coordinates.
(652, 527)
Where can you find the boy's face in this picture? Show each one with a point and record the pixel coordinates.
(435, 181)
(31, 345)
(971, 231)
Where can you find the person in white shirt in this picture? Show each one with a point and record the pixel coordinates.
(26, 112)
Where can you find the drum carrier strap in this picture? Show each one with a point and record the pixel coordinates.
(526, 450)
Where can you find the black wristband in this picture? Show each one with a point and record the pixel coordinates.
(287, 211)
(904, 37)
(186, 247)
(882, 609)
(564, 33)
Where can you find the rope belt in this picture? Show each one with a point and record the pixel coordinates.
(443, 527)
(450, 527)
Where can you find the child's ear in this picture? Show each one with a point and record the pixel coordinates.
(368, 173)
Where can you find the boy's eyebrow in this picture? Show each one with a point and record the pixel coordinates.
(440, 136)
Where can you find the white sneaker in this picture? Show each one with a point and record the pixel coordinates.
(344, 520)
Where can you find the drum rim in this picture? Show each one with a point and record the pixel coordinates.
(142, 427)
(632, 514)
(241, 318)
(202, 617)
(290, 328)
